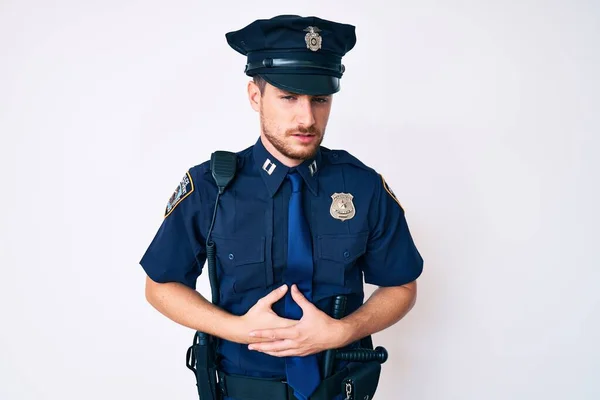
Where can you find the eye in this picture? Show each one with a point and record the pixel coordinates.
(288, 98)
(320, 100)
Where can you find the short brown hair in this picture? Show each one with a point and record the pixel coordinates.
(260, 82)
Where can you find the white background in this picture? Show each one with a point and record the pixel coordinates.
(483, 117)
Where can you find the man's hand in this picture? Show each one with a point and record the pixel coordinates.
(315, 332)
(262, 316)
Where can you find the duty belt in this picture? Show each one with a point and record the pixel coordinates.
(249, 388)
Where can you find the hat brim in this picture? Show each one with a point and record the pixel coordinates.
(314, 85)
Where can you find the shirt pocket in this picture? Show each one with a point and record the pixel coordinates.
(242, 259)
(337, 255)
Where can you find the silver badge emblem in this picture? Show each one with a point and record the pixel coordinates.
(313, 168)
(312, 38)
(269, 167)
(342, 207)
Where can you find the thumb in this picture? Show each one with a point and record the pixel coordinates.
(299, 298)
(274, 296)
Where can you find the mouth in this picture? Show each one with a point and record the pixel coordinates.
(303, 134)
(304, 137)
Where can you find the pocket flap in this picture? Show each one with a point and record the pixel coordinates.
(343, 248)
(240, 250)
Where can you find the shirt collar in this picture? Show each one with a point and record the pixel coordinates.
(273, 172)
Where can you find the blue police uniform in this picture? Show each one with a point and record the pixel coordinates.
(357, 226)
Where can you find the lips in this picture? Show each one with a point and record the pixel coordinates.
(304, 138)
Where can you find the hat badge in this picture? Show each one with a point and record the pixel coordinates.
(312, 38)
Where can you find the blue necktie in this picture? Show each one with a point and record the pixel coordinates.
(302, 372)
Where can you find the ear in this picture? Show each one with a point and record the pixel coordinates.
(254, 96)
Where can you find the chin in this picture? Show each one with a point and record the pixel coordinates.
(303, 153)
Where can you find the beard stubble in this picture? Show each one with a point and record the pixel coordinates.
(286, 149)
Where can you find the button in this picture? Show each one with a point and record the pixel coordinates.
(231, 256)
(335, 155)
(346, 254)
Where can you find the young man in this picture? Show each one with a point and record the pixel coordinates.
(297, 226)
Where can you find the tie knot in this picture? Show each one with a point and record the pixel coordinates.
(296, 181)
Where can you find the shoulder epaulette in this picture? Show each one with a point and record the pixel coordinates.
(343, 157)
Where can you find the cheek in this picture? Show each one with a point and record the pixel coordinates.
(273, 112)
(322, 116)
(272, 121)
(283, 117)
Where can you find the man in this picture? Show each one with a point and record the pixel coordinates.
(298, 225)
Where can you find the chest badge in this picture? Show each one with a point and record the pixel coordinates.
(342, 207)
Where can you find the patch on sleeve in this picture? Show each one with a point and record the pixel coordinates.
(186, 186)
(390, 191)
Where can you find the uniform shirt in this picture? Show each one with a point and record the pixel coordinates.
(357, 226)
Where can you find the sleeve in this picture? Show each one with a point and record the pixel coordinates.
(391, 258)
(177, 252)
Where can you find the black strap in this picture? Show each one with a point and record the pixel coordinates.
(249, 388)
(290, 63)
(330, 387)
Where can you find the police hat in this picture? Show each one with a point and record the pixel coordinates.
(297, 54)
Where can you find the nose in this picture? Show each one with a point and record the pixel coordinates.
(305, 115)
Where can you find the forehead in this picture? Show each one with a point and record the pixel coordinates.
(277, 91)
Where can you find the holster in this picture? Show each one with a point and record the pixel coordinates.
(362, 380)
(201, 359)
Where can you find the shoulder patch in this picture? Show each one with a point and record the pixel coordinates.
(186, 186)
(390, 191)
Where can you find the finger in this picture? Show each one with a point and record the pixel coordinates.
(274, 296)
(290, 332)
(299, 298)
(279, 345)
(253, 340)
(286, 353)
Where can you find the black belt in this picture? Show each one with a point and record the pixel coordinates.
(289, 63)
(248, 388)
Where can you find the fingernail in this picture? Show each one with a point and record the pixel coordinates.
(282, 287)
(253, 334)
(250, 347)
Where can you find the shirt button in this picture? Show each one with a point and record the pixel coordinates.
(334, 155)
(346, 254)
(231, 256)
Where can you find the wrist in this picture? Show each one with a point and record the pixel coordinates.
(234, 330)
(345, 333)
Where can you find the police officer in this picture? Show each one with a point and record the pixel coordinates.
(299, 224)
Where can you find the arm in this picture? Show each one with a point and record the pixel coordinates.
(385, 307)
(317, 331)
(189, 308)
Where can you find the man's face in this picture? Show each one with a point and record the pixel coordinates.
(292, 124)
